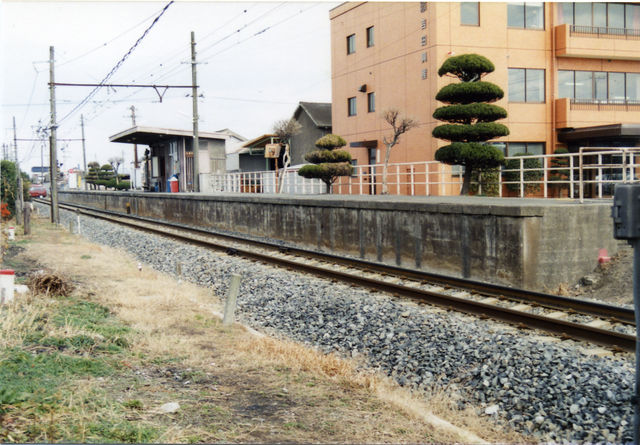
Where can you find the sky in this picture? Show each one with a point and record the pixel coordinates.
(256, 61)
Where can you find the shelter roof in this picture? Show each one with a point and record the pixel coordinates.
(151, 135)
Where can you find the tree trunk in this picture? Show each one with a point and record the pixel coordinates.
(387, 155)
(466, 181)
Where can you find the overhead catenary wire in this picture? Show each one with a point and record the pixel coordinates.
(109, 41)
(118, 65)
(177, 68)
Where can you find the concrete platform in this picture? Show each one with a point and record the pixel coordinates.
(529, 243)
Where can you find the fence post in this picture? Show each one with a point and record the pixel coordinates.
(413, 186)
(521, 177)
(600, 175)
(230, 303)
(571, 188)
(545, 166)
(426, 179)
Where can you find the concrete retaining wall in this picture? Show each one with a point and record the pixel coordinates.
(528, 243)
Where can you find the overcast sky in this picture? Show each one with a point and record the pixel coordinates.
(257, 61)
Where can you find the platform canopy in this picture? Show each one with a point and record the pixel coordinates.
(153, 135)
(256, 145)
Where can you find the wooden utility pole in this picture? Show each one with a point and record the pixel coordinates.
(196, 141)
(19, 192)
(53, 158)
(84, 154)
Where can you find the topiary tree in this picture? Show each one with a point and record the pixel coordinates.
(329, 163)
(470, 115)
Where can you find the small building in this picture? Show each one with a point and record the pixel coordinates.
(315, 121)
(249, 156)
(170, 153)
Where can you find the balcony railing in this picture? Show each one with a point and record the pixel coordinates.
(605, 32)
(605, 104)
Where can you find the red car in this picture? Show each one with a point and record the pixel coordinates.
(38, 191)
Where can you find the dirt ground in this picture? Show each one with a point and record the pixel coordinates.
(611, 281)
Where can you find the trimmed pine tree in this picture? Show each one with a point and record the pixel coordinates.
(328, 163)
(470, 116)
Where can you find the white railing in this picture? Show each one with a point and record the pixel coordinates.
(591, 172)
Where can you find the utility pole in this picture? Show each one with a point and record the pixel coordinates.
(136, 163)
(196, 141)
(53, 158)
(19, 191)
(84, 154)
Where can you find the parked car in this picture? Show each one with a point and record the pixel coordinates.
(38, 191)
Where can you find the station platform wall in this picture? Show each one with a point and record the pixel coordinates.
(535, 244)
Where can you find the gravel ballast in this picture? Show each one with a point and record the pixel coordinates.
(549, 389)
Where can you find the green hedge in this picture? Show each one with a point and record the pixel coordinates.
(322, 156)
(330, 141)
(469, 92)
(528, 175)
(466, 67)
(480, 156)
(468, 113)
(481, 131)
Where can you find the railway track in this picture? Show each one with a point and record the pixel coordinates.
(598, 323)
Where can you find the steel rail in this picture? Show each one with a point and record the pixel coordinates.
(563, 328)
(614, 313)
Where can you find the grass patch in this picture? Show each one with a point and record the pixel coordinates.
(85, 257)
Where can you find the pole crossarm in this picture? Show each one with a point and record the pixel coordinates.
(159, 89)
(116, 85)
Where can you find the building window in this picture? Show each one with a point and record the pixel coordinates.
(528, 15)
(526, 85)
(515, 148)
(351, 102)
(371, 102)
(470, 13)
(351, 44)
(423, 58)
(423, 41)
(423, 24)
(610, 18)
(370, 41)
(424, 74)
(599, 86)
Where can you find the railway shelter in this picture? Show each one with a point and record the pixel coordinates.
(170, 154)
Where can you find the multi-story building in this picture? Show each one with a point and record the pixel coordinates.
(570, 71)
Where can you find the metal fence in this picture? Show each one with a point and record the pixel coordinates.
(590, 173)
(605, 32)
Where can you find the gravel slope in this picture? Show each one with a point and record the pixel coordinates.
(549, 389)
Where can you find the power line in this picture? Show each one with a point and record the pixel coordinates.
(108, 42)
(178, 67)
(115, 68)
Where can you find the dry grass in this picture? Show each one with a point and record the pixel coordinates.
(49, 284)
(328, 398)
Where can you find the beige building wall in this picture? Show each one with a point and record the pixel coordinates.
(393, 69)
